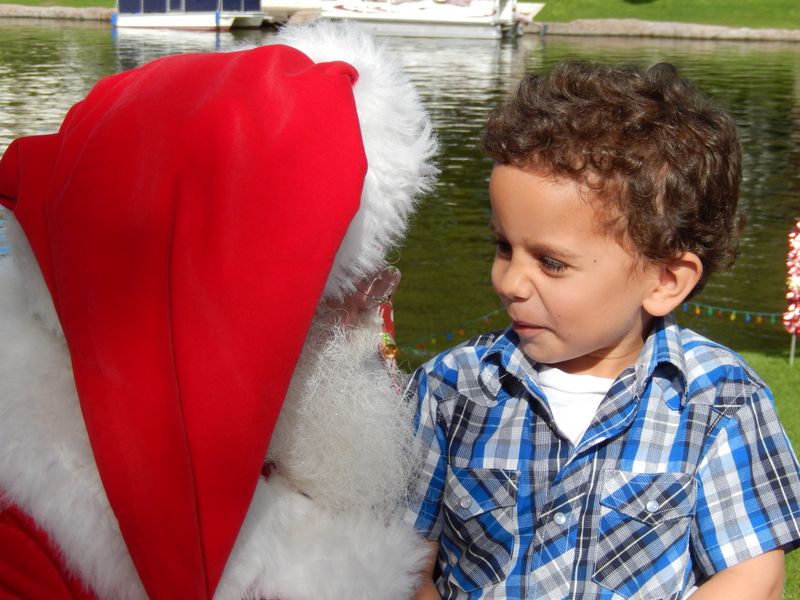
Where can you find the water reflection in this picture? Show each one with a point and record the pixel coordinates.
(47, 67)
(43, 69)
(135, 47)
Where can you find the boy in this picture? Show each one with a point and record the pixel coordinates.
(594, 449)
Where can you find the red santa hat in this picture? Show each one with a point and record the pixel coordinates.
(188, 217)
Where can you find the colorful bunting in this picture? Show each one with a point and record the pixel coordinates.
(731, 314)
(431, 344)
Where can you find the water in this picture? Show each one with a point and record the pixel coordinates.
(45, 67)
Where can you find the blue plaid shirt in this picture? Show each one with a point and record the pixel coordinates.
(684, 471)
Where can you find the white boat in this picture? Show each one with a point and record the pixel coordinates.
(487, 19)
(213, 15)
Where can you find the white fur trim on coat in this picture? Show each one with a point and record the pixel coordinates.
(291, 548)
(46, 464)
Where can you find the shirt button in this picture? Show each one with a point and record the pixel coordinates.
(559, 518)
(651, 506)
(465, 502)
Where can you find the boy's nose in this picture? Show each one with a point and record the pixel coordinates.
(514, 283)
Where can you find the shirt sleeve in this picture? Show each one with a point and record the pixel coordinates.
(749, 489)
(430, 446)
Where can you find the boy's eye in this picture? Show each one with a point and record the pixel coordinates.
(503, 247)
(551, 266)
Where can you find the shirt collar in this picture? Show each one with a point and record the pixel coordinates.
(507, 354)
(662, 348)
(507, 348)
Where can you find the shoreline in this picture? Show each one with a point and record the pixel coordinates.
(661, 29)
(67, 13)
(580, 27)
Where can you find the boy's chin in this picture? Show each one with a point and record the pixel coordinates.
(541, 354)
(551, 355)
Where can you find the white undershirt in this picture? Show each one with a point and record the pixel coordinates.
(573, 399)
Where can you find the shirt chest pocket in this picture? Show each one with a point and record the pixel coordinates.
(643, 534)
(480, 525)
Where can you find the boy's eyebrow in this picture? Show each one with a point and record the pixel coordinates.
(541, 249)
(552, 251)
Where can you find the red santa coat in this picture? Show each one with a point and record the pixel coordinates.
(30, 567)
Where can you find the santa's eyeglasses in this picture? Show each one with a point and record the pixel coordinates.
(379, 294)
(382, 286)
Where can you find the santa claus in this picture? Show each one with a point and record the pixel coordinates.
(192, 399)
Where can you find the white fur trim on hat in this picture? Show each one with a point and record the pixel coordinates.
(398, 140)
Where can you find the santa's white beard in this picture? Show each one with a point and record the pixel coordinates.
(344, 434)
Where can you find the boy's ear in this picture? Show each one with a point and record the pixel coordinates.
(676, 280)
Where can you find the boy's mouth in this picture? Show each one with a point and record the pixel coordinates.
(523, 328)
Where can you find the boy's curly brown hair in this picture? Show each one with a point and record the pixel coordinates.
(661, 159)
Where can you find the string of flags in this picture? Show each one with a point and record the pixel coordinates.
(720, 312)
(450, 337)
(491, 320)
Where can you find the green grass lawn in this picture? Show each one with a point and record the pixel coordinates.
(784, 14)
(73, 3)
(785, 383)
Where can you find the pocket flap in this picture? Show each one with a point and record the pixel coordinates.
(650, 497)
(471, 492)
